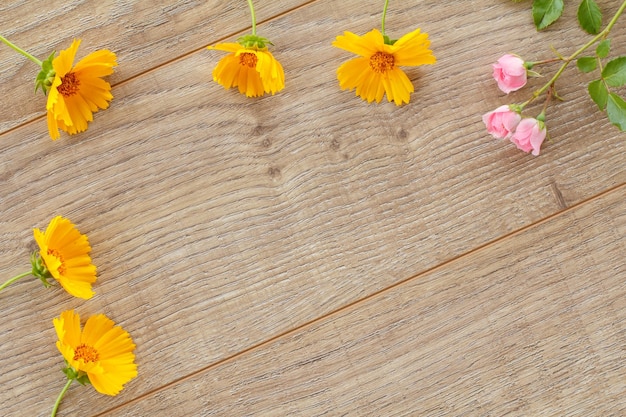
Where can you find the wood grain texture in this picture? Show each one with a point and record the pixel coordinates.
(532, 325)
(218, 222)
(143, 34)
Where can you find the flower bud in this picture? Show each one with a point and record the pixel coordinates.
(529, 135)
(501, 122)
(510, 73)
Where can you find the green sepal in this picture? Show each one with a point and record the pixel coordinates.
(83, 378)
(388, 40)
(39, 269)
(254, 42)
(46, 75)
(558, 55)
(70, 372)
(79, 376)
(541, 118)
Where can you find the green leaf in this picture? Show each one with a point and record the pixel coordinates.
(587, 63)
(614, 73)
(590, 16)
(546, 12)
(616, 110)
(598, 93)
(603, 49)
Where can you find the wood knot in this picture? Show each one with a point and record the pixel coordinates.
(267, 142)
(402, 134)
(273, 172)
(334, 145)
(259, 130)
(558, 195)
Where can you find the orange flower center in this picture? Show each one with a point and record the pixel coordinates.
(86, 353)
(248, 59)
(381, 62)
(62, 268)
(69, 85)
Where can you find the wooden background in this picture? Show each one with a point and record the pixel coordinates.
(307, 253)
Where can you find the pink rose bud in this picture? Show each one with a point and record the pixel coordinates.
(529, 135)
(510, 73)
(501, 122)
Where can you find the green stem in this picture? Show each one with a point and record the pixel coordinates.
(20, 50)
(382, 25)
(580, 50)
(545, 61)
(614, 20)
(60, 397)
(253, 17)
(12, 280)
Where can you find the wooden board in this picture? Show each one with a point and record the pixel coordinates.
(531, 325)
(219, 222)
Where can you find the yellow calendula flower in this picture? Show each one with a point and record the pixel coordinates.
(376, 71)
(249, 65)
(78, 91)
(253, 69)
(100, 354)
(102, 351)
(65, 254)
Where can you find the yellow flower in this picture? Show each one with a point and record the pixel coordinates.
(102, 351)
(65, 253)
(78, 91)
(376, 71)
(254, 70)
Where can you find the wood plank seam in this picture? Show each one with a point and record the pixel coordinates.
(369, 297)
(176, 59)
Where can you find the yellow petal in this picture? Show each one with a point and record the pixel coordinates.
(364, 46)
(226, 73)
(250, 82)
(412, 50)
(96, 64)
(76, 288)
(62, 64)
(79, 113)
(398, 87)
(370, 88)
(227, 47)
(271, 72)
(53, 94)
(114, 343)
(96, 93)
(110, 384)
(68, 328)
(53, 128)
(352, 73)
(95, 328)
